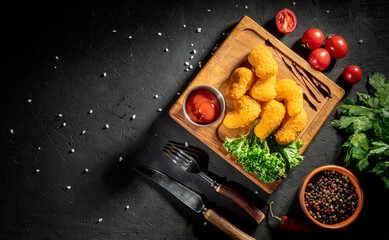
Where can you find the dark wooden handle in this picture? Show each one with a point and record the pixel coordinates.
(226, 226)
(242, 201)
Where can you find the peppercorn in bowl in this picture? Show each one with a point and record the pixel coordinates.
(331, 197)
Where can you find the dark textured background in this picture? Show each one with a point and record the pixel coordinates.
(38, 206)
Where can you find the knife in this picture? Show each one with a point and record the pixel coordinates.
(193, 201)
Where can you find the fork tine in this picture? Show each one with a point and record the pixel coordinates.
(185, 157)
(176, 159)
(190, 158)
(189, 150)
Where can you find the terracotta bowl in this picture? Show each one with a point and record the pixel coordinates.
(354, 181)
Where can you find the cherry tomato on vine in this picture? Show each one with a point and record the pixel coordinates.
(337, 47)
(286, 21)
(312, 38)
(352, 74)
(319, 59)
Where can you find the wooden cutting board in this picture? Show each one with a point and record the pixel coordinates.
(232, 54)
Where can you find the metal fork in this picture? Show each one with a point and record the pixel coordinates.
(181, 156)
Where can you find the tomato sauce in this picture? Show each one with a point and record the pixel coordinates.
(202, 106)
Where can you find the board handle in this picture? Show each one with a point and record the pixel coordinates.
(242, 201)
(226, 226)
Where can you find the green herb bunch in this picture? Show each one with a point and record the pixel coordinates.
(265, 158)
(368, 123)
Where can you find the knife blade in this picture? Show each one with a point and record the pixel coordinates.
(193, 201)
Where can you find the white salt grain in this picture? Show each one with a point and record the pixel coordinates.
(104, 74)
(60, 115)
(294, 3)
(86, 170)
(205, 223)
(246, 7)
(191, 57)
(360, 41)
(159, 34)
(166, 49)
(83, 132)
(72, 150)
(37, 170)
(29, 100)
(120, 159)
(208, 10)
(39, 148)
(56, 57)
(69, 187)
(64, 124)
(186, 63)
(100, 220)
(193, 51)
(113, 30)
(133, 117)
(328, 11)
(127, 207)
(186, 69)
(198, 30)
(106, 126)
(156, 96)
(186, 144)
(178, 93)
(159, 109)
(130, 37)
(11, 131)
(256, 192)
(90, 111)
(190, 67)
(183, 25)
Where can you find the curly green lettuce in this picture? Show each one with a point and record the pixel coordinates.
(265, 158)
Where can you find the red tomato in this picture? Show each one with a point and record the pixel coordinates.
(320, 59)
(286, 21)
(337, 47)
(352, 74)
(312, 38)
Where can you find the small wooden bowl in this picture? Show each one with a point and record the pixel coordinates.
(354, 181)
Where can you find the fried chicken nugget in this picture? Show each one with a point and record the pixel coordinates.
(292, 94)
(264, 90)
(262, 61)
(273, 113)
(246, 110)
(240, 81)
(291, 127)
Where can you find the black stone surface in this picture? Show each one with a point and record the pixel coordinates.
(91, 38)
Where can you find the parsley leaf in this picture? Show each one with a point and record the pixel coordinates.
(368, 123)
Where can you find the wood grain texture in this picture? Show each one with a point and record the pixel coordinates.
(242, 201)
(225, 226)
(232, 54)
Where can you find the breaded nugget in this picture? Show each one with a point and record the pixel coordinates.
(240, 81)
(264, 90)
(292, 94)
(246, 110)
(262, 61)
(273, 113)
(291, 127)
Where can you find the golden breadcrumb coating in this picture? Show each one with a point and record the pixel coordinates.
(246, 110)
(240, 81)
(292, 95)
(264, 90)
(291, 127)
(272, 114)
(262, 61)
